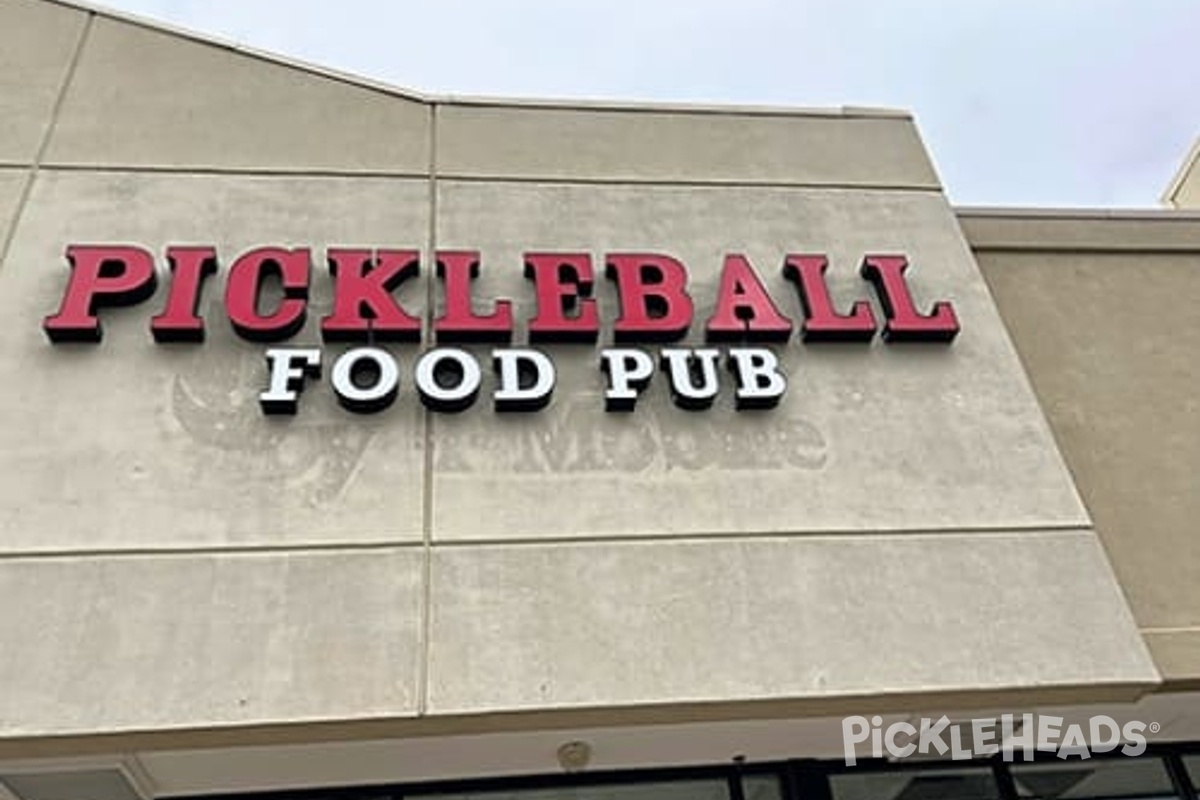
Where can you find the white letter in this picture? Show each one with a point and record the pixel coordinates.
(850, 737)
(890, 739)
(365, 399)
(933, 735)
(513, 365)
(1133, 732)
(760, 383)
(464, 372)
(679, 364)
(982, 731)
(1011, 740)
(1099, 744)
(287, 379)
(957, 753)
(1073, 743)
(629, 373)
(1048, 727)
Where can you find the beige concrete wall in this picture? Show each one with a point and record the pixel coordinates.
(185, 458)
(38, 43)
(870, 438)
(1103, 312)
(12, 184)
(203, 107)
(643, 146)
(1188, 194)
(214, 567)
(1184, 189)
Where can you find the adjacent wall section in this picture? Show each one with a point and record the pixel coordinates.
(1103, 310)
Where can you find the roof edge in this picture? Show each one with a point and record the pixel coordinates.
(653, 106)
(1140, 231)
(1077, 213)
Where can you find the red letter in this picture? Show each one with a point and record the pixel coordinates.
(363, 305)
(244, 284)
(101, 275)
(563, 282)
(822, 323)
(743, 308)
(655, 305)
(179, 320)
(459, 323)
(904, 323)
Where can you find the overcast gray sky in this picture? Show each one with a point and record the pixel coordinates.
(1022, 102)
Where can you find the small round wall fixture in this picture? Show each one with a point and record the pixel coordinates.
(574, 756)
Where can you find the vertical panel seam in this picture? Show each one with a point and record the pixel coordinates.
(47, 135)
(428, 423)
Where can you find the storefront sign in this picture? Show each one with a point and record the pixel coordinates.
(266, 297)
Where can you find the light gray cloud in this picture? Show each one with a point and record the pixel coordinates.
(1046, 102)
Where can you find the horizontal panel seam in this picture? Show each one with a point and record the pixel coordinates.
(416, 543)
(257, 171)
(861, 534)
(1155, 248)
(289, 172)
(627, 180)
(153, 552)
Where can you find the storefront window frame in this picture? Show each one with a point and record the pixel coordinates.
(799, 779)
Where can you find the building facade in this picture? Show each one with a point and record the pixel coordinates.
(819, 447)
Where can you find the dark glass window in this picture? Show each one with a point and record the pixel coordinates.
(713, 789)
(1075, 779)
(1192, 763)
(762, 787)
(967, 783)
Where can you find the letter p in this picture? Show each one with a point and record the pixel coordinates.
(101, 275)
(629, 372)
(854, 731)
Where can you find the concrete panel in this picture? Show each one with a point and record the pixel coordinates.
(1176, 654)
(1184, 189)
(869, 437)
(643, 145)
(130, 444)
(205, 106)
(101, 645)
(540, 627)
(12, 182)
(37, 41)
(1188, 194)
(1110, 343)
